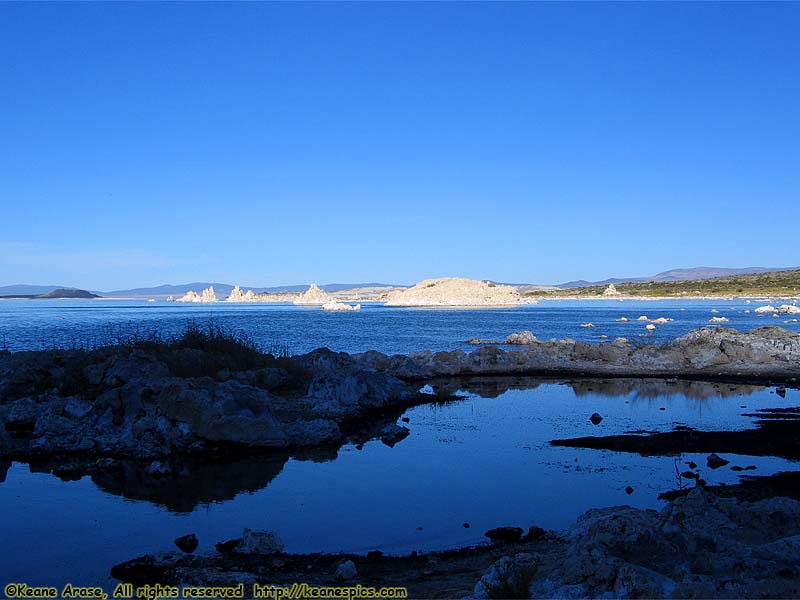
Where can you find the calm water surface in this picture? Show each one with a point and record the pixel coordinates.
(484, 460)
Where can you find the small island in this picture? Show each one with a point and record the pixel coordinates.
(59, 294)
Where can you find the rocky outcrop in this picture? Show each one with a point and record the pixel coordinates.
(151, 402)
(337, 306)
(237, 295)
(314, 295)
(207, 296)
(698, 546)
(701, 545)
(766, 352)
(611, 290)
(457, 291)
(789, 309)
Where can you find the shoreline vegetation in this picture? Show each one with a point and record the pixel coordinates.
(212, 395)
(780, 284)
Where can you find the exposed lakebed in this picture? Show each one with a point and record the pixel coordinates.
(484, 459)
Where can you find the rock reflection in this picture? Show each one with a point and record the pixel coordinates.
(653, 388)
(493, 387)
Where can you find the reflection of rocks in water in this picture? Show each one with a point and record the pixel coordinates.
(179, 484)
(485, 387)
(5, 465)
(653, 388)
(187, 484)
(182, 483)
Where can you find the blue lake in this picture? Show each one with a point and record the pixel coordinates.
(35, 324)
(484, 460)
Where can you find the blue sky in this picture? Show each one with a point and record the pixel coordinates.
(285, 143)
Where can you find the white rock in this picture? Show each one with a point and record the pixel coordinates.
(314, 295)
(190, 296)
(661, 320)
(766, 310)
(587, 325)
(237, 295)
(611, 290)
(718, 320)
(650, 327)
(206, 296)
(643, 318)
(337, 306)
(789, 309)
(623, 320)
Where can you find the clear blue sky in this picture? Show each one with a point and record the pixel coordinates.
(285, 143)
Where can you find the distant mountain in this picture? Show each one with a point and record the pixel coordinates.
(223, 289)
(695, 273)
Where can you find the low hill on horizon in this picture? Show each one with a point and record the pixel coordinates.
(693, 273)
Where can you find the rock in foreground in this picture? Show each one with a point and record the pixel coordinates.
(698, 546)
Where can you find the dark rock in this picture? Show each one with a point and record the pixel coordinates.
(187, 543)
(467, 525)
(394, 433)
(690, 475)
(534, 533)
(374, 555)
(715, 462)
(629, 490)
(781, 391)
(505, 535)
(596, 418)
(227, 547)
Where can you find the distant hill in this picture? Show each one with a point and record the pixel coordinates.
(694, 274)
(59, 293)
(22, 289)
(785, 282)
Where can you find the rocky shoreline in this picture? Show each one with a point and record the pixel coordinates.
(148, 400)
(700, 545)
(153, 420)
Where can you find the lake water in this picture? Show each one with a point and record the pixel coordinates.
(36, 324)
(484, 460)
